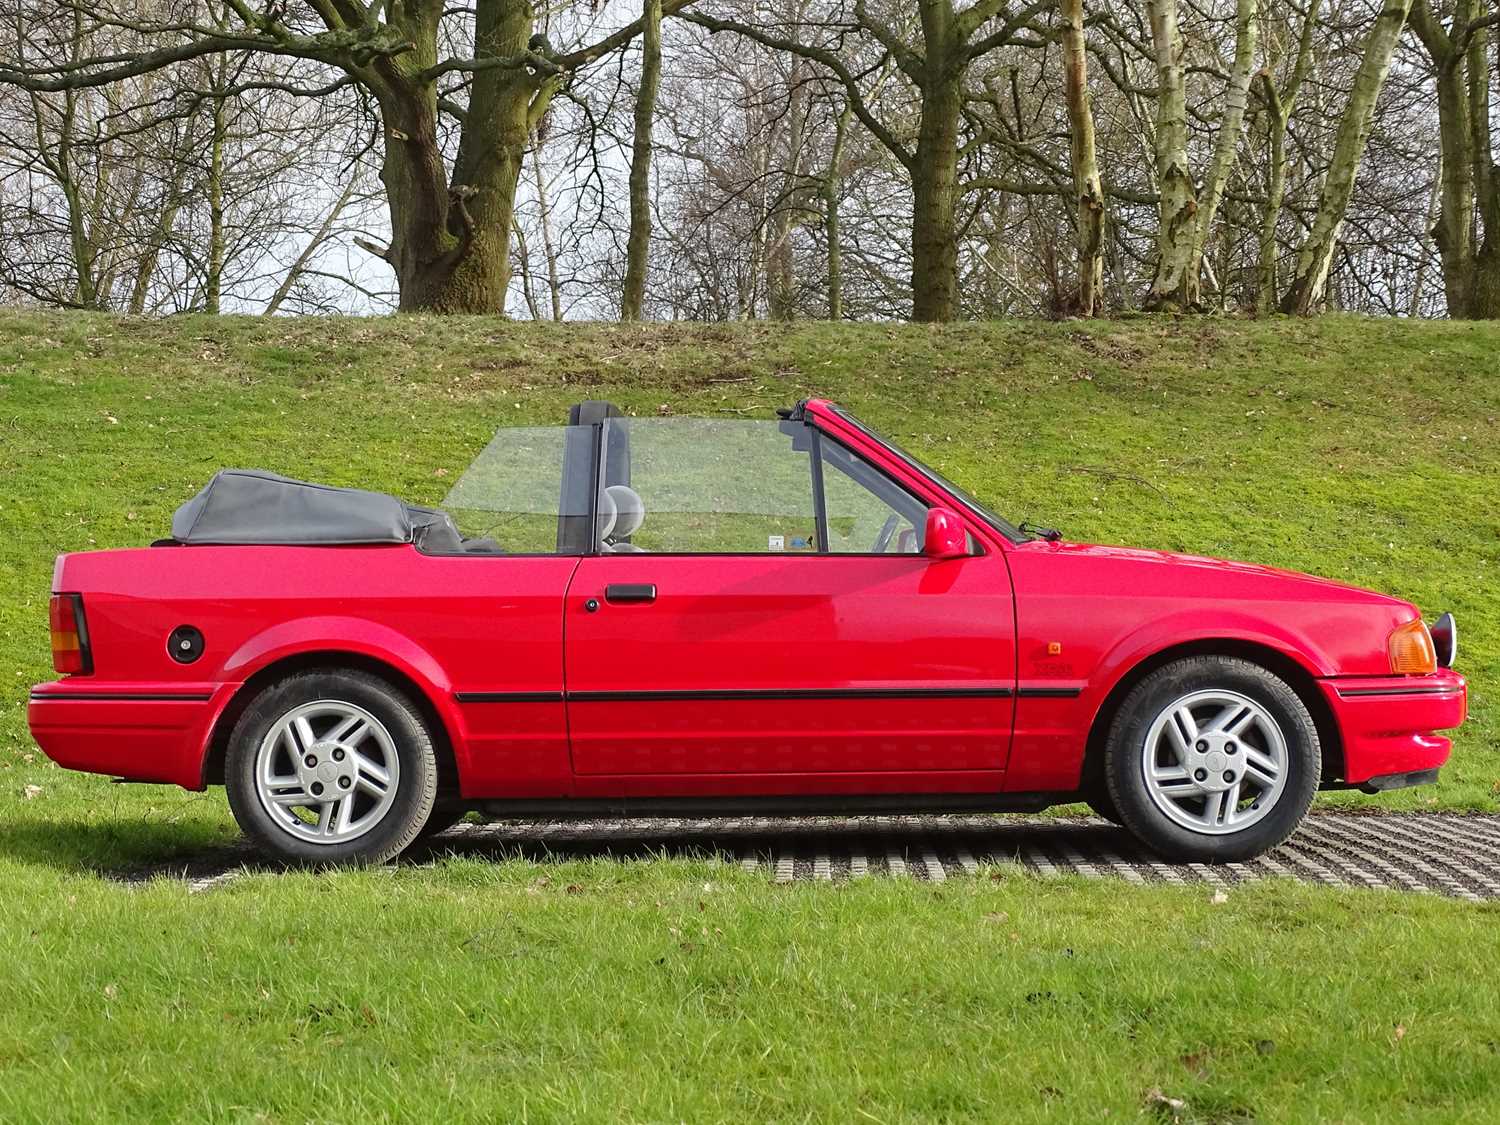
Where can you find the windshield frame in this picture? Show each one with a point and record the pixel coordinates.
(963, 496)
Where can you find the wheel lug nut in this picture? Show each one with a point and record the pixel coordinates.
(338, 755)
(1201, 775)
(317, 788)
(1228, 775)
(311, 760)
(344, 782)
(1230, 748)
(1202, 744)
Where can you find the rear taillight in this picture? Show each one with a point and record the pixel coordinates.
(70, 635)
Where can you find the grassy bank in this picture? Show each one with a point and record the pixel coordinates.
(681, 991)
(1357, 449)
(677, 990)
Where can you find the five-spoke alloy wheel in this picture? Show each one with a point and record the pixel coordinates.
(1212, 759)
(331, 766)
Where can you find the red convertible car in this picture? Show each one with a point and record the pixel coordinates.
(632, 615)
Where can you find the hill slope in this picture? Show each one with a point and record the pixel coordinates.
(1362, 450)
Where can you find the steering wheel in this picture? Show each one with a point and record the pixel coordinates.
(887, 529)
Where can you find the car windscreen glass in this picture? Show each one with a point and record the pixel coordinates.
(999, 523)
(867, 512)
(517, 491)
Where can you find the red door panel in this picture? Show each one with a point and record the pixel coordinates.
(790, 665)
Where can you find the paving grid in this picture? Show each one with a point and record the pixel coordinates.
(1423, 853)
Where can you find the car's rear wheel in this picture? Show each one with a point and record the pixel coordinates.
(1212, 759)
(331, 766)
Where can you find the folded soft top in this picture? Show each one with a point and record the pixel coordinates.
(251, 506)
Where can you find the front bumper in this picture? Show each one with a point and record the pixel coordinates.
(1389, 724)
(139, 732)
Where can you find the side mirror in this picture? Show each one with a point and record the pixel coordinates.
(944, 536)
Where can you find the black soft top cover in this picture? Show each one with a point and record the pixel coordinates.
(251, 506)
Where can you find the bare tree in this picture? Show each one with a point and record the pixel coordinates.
(1315, 257)
(1088, 191)
(1460, 59)
(638, 248)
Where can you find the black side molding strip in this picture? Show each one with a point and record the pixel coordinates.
(1357, 693)
(129, 697)
(731, 694)
(791, 693)
(768, 694)
(508, 696)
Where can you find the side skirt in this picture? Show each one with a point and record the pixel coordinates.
(831, 805)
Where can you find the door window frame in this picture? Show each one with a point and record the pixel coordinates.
(816, 435)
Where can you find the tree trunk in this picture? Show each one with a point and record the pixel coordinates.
(214, 267)
(1236, 96)
(1265, 292)
(1316, 255)
(523, 258)
(831, 181)
(549, 245)
(1088, 192)
(318, 238)
(638, 245)
(450, 240)
(1484, 278)
(1453, 230)
(1172, 285)
(1279, 107)
(934, 270)
(781, 283)
(145, 265)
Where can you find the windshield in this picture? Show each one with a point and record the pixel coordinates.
(999, 523)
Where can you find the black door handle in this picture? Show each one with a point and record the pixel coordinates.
(623, 593)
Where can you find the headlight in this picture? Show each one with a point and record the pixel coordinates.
(1445, 640)
(1411, 648)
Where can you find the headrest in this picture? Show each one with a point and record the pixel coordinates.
(630, 512)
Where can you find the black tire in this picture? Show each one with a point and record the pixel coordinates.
(1103, 805)
(1125, 770)
(410, 806)
(443, 818)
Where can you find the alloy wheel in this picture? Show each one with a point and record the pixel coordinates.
(327, 771)
(1214, 761)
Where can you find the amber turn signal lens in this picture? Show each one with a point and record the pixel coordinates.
(1412, 651)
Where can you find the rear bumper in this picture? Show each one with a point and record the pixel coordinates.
(140, 732)
(1389, 724)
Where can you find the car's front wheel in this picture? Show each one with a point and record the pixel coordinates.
(1212, 759)
(331, 766)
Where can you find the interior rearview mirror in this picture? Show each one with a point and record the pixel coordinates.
(944, 536)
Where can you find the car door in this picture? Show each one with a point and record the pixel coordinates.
(760, 618)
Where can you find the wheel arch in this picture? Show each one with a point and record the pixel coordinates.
(1296, 675)
(339, 659)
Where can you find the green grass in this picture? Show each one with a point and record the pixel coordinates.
(691, 991)
(1362, 450)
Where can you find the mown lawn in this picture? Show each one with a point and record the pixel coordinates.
(676, 990)
(1362, 450)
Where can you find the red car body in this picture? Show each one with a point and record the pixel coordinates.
(982, 680)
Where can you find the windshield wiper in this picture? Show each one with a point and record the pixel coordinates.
(1036, 531)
